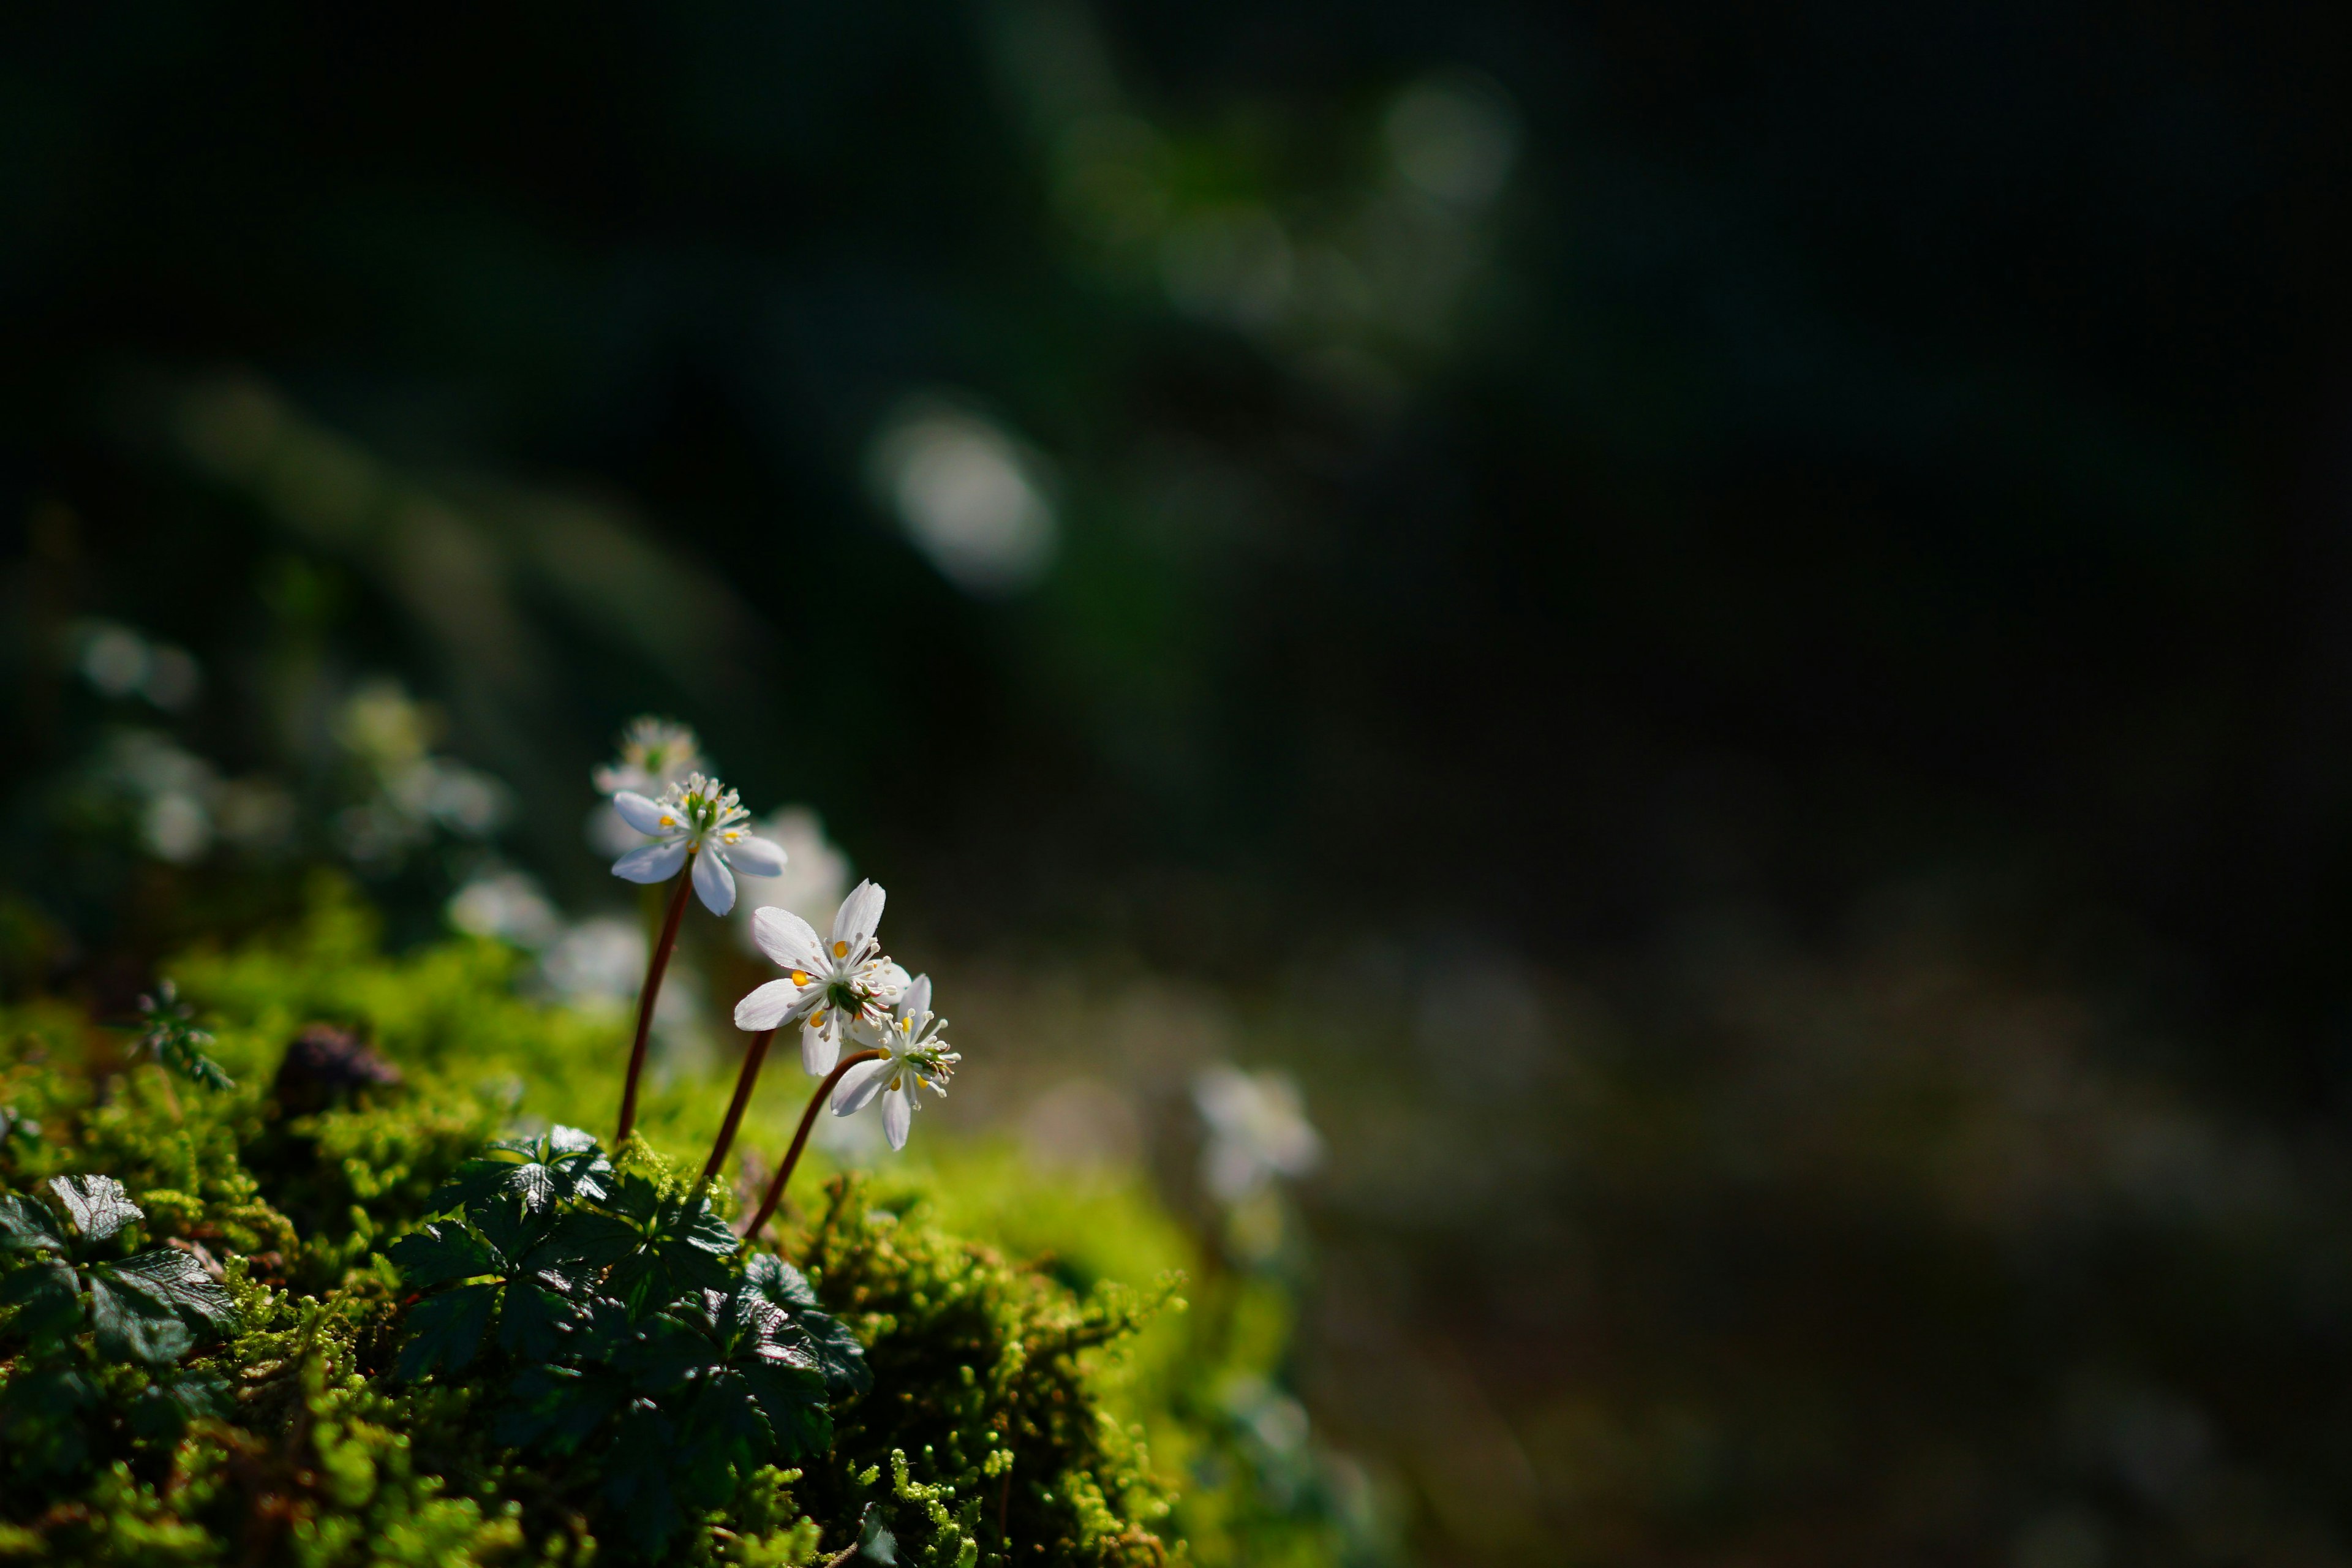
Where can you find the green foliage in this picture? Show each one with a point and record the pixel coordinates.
(90, 1333)
(172, 1037)
(454, 1346)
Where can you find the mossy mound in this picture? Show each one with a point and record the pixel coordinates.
(1012, 1409)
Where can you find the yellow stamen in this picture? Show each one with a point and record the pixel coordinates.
(840, 950)
(800, 976)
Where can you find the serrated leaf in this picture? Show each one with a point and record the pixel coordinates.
(179, 1283)
(792, 1399)
(439, 1253)
(638, 1477)
(838, 1355)
(683, 1247)
(559, 1409)
(834, 1348)
(45, 1295)
(44, 1428)
(132, 1325)
(662, 1355)
(445, 1331)
(588, 1238)
(534, 1318)
(564, 1163)
(773, 1279)
(165, 1408)
(27, 1226)
(511, 1230)
(98, 1205)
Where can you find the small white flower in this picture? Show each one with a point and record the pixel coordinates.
(1257, 1131)
(915, 1057)
(827, 986)
(695, 817)
(655, 755)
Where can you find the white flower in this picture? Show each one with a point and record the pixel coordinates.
(1257, 1131)
(697, 818)
(655, 755)
(815, 874)
(827, 986)
(914, 1058)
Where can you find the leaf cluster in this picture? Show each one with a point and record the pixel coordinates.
(93, 1328)
(628, 1348)
(170, 1035)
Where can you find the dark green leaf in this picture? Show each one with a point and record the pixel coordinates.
(638, 1477)
(511, 1230)
(828, 1340)
(683, 1246)
(440, 1253)
(559, 1408)
(587, 1237)
(97, 1205)
(132, 1325)
(164, 1408)
(26, 1226)
(535, 1317)
(444, 1332)
(772, 1278)
(46, 1297)
(44, 1428)
(563, 1164)
(175, 1279)
(792, 1399)
(662, 1354)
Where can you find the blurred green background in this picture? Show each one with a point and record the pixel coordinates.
(1720, 631)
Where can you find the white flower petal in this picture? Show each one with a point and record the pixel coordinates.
(714, 883)
(756, 857)
(859, 1085)
(860, 915)
(768, 1007)
(641, 814)
(787, 940)
(819, 1050)
(916, 998)
(651, 862)
(898, 1116)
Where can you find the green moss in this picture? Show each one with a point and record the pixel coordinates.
(1038, 1391)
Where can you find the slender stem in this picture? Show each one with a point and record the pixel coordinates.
(753, 1055)
(800, 1139)
(654, 972)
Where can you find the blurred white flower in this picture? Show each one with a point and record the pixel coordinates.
(508, 905)
(972, 498)
(816, 873)
(700, 819)
(655, 755)
(828, 985)
(389, 736)
(914, 1058)
(596, 963)
(119, 661)
(1257, 1131)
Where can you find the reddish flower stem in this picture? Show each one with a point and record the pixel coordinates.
(753, 1055)
(654, 972)
(800, 1139)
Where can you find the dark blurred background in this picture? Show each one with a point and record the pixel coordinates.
(1722, 628)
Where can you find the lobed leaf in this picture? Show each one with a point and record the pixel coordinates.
(133, 1325)
(46, 1296)
(98, 1205)
(445, 1331)
(26, 1226)
(441, 1252)
(174, 1279)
